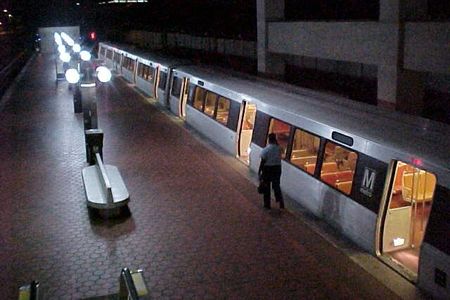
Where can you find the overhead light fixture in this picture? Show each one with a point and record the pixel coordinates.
(76, 48)
(65, 57)
(72, 76)
(61, 49)
(85, 55)
(57, 38)
(103, 74)
(67, 39)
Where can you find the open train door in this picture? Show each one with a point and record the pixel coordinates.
(183, 98)
(404, 216)
(245, 132)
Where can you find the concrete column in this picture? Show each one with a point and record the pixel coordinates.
(268, 63)
(398, 88)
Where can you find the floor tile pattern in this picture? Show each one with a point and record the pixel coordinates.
(197, 227)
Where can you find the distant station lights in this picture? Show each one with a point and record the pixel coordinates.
(72, 74)
(85, 55)
(76, 48)
(122, 1)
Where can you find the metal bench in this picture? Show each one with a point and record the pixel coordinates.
(104, 186)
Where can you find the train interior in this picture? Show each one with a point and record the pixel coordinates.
(406, 216)
(245, 136)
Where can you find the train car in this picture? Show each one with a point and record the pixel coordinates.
(373, 174)
(381, 178)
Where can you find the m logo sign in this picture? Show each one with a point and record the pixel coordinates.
(368, 182)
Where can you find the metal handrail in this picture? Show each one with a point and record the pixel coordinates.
(127, 289)
(30, 291)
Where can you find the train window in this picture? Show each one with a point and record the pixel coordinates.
(199, 98)
(305, 148)
(109, 54)
(162, 80)
(282, 131)
(210, 104)
(223, 110)
(192, 91)
(117, 57)
(128, 63)
(140, 70)
(149, 74)
(338, 167)
(176, 86)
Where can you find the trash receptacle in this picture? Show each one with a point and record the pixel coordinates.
(94, 144)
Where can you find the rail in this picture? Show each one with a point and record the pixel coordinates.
(8, 73)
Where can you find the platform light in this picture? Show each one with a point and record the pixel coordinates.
(72, 76)
(67, 39)
(65, 57)
(85, 55)
(5, 10)
(57, 37)
(76, 48)
(61, 49)
(10, 15)
(103, 74)
(398, 242)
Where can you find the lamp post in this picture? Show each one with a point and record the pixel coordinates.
(85, 92)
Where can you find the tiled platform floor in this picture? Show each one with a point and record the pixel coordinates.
(197, 227)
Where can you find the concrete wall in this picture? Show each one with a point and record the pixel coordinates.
(47, 36)
(427, 45)
(364, 42)
(157, 40)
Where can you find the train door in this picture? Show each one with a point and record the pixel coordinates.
(405, 217)
(183, 98)
(153, 73)
(155, 87)
(245, 133)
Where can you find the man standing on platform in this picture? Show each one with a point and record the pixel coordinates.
(270, 171)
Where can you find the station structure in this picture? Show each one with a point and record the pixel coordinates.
(195, 224)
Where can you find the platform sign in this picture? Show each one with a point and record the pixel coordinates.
(368, 182)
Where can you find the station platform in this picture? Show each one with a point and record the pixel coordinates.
(196, 226)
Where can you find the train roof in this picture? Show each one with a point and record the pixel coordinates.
(156, 57)
(405, 136)
(422, 138)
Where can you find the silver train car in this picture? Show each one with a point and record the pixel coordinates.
(381, 178)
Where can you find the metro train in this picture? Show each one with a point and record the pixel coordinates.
(381, 178)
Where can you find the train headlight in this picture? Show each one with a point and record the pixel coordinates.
(72, 76)
(103, 74)
(85, 55)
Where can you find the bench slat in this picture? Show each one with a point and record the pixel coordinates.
(106, 184)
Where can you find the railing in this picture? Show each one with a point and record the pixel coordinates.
(30, 291)
(132, 285)
(8, 73)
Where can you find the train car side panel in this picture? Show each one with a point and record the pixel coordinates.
(218, 133)
(434, 270)
(144, 86)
